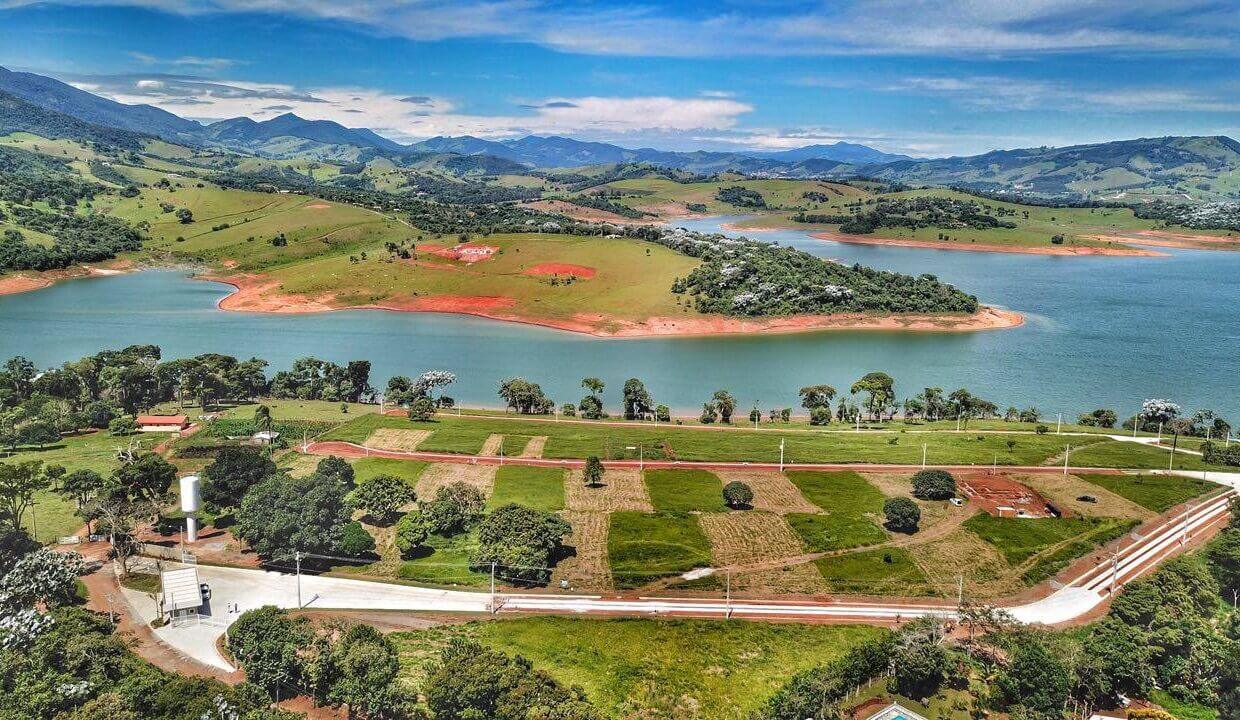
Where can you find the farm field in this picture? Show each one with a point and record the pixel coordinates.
(1156, 492)
(656, 669)
(540, 488)
(685, 490)
(645, 546)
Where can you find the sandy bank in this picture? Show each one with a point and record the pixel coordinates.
(254, 293)
(1075, 250)
(1168, 239)
(27, 282)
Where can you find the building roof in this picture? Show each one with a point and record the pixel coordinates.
(162, 419)
(181, 589)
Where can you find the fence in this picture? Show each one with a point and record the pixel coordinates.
(166, 553)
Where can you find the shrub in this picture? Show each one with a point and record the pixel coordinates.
(820, 416)
(411, 532)
(422, 409)
(934, 485)
(355, 541)
(1041, 429)
(122, 426)
(902, 515)
(382, 496)
(737, 494)
(455, 508)
(522, 541)
(593, 472)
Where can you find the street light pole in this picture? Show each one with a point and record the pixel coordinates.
(1067, 450)
(1059, 425)
(923, 456)
(297, 557)
(781, 454)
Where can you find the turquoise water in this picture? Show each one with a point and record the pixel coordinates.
(1099, 332)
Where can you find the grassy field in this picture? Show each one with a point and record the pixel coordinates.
(645, 546)
(609, 441)
(653, 669)
(882, 571)
(851, 505)
(1120, 454)
(445, 561)
(1156, 492)
(407, 470)
(1021, 538)
(685, 490)
(540, 488)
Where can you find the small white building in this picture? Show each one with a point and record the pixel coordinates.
(180, 593)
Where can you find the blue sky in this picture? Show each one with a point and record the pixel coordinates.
(924, 77)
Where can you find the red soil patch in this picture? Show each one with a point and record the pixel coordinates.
(21, 283)
(991, 247)
(318, 206)
(469, 304)
(1165, 238)
(580, 271)
(464, 252)
(1002, 496)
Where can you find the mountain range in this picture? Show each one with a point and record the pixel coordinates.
(1196, 167)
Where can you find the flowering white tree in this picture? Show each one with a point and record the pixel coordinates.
(1157, 410)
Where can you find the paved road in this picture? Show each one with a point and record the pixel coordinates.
(236, 590)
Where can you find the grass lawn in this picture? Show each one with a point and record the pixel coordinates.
(142, 582)
(446, 563)
(1019, 539)
(644, 546)
(685, 490)
(609, 441)
(1156, 492)
(881, 571)
(316, 410)
(1123, 454)
(535, 487)
(848, 499)
(407, 470)
(1182, 710)
(653, 669)
(1050, 563)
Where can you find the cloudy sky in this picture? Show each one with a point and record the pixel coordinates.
(924, 77)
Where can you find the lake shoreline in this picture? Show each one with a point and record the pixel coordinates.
(1059, 250)
(259, 294)
(22, 283)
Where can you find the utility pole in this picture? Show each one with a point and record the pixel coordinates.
(1059, 425)
(1067, 450)
(493, 608)
(1136, 421)
(1114, 570)
(960, 590)
(728, 592)
(1174, 443)
(923, 456)
(781, 454)
(297, 557)
(994, 465)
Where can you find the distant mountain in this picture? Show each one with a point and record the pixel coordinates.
(1195, 167)
(51, 94)
(244, 132)
(838, 152)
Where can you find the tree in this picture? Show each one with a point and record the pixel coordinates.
(38, 432)
(724, 404)
(522, 541)
(425, 384)
(411, 532)
(336, 468)
(456, 506)
(266, 642)
(185, 216)
(382, 496)
(934, 485)
(637, 402)
(902, 514)
(280, 516)
(1101, 417)
(43, 577)
(814, 397)
(359, 670)
(1115, 660)
(1035, 680)
(122, 426)
(149, 477)
(709, 413)
(592, 404)
(234, 470)
(81, 486)
(935, 405)
(919, 660)
(18, 484)
(663, 413)
(525, 397)
(471, 682)
(355, 541)
(737, 495)
(421, 409)
(593, 472)
(880, 389)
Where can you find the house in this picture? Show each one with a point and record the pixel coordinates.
(162, 423)
(180, 593)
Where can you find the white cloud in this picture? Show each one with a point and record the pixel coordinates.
(888, 27)
(1007, 93)
(405, 116)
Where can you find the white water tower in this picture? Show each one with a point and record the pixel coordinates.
(190, 503)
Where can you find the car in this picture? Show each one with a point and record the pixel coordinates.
(205, 589)
(957, 501)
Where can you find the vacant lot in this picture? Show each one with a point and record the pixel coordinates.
(437, 475)
(540, 488)
(772, 491)
(759, 538)
(1155, 492)
(1067, 491)
(645, 546)
(622, 489)
(408, 470)
(396, 439)
(853, 507)
(884, 571)
(445, 561)
(653, 669)
(685, 490)
(1018, 539)
(586, 567)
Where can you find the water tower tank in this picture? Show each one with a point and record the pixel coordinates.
(190, 498)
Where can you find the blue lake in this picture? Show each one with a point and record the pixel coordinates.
(1099, 332)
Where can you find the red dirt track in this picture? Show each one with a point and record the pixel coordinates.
(578, 271)
(1002, 496)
